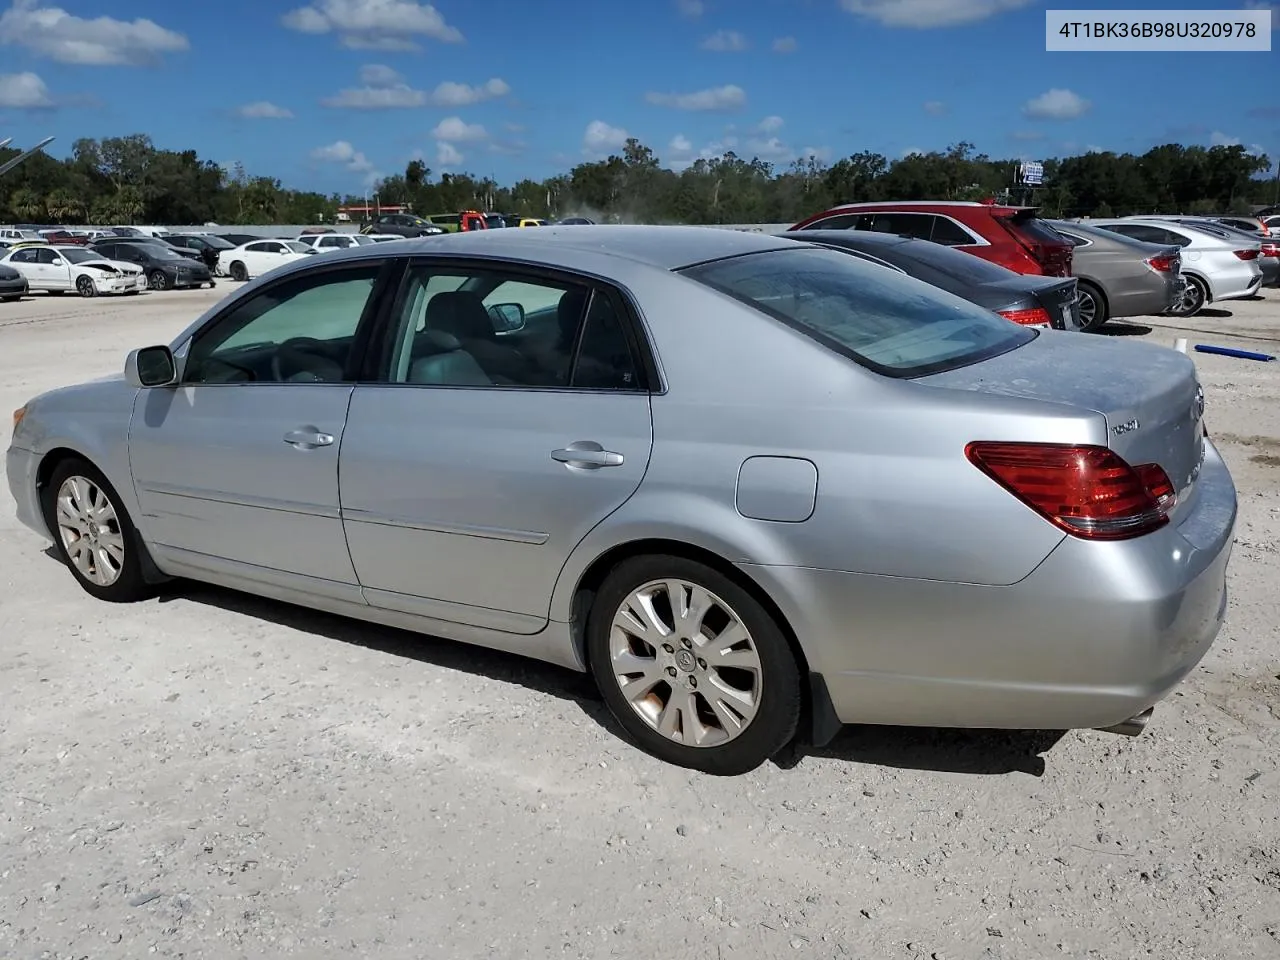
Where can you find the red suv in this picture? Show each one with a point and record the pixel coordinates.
(1013, 237)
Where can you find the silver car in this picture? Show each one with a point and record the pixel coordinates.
(757, 488)
(1118, 276)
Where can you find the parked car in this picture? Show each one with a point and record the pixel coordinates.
(17, 234)
(1029, 300)
(1014, 237)
(127, 232)
(381, 237)
(330, 241)
(62, 268)
(528, 222)
(64, 238)
(208, 247)
(803, 486)
(404, 225)
(575, 222)
(163, 265)
(1121, 277)
(463, 222)
(13, 285)
(257, 257)
(1215, 268)
(1237, 228)
(495, 221)
(238, 239)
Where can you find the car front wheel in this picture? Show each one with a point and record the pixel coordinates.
(93, 534)
(692, 666)
(1191, 299)
(156, 280)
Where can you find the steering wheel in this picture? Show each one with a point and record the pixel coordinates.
(296, 345)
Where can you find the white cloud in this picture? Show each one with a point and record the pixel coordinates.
(455, 130)
(927, 14)
(264, 110)
(935, 108)
(451, 94)
(341, 151)
(385, 89)
(379, 75)
(1056, 104)
(600, 137)
(680, 144)
(728, 97)
(447, 155)
(373, 24)
(691, 8)
(771, 150)
(23, 91)
(103, 41)
(725, 41)
(785, 45)
(398, 96)
(1094, 148)
(770, 125)
(818, 153)
(911, 151)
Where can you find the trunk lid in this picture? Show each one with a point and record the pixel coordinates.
(1150, 396)
(1050, 249)
(1056, 295)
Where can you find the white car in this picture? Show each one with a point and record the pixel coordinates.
(1215, 267)
(60, 269)
(323, 242)
(257, 257)
(14, 235)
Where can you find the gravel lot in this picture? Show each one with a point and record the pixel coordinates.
(210, 775)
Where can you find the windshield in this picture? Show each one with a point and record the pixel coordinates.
(216, 243)
(893, 324)
(162, 251)
(956, 264)
(77, 255)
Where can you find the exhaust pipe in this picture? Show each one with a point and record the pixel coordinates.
(1133, 726)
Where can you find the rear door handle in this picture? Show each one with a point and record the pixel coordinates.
(587, 457)
(308, 438)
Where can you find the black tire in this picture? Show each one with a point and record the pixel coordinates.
(1101, 311)
(1193, 301)
(10, 299)
(85, 287)
(779, 703)
(239, 271)
(156, 280)
(129, 585)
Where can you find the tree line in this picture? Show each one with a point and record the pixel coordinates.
(130, 180)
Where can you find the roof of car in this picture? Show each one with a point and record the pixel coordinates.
(667, 248)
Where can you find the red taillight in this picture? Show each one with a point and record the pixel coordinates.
(1038, 317)
(1246, 254)
(1088, 491)
(1270, 249)
(1162, 264)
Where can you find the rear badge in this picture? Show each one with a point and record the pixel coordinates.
(1120, 429)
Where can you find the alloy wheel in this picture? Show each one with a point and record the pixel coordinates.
(1088, 309)
(90, 530)
(85, 287)
(685, 663)
(157, 280)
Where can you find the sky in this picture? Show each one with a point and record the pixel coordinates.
(332, 94)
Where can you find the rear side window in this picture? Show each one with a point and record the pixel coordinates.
(949, 233)
(917, 225)
(843, 221)
(890, 323)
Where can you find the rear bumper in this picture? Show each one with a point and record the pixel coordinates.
(1150, 297)
(1097, 633)
(1237, 285)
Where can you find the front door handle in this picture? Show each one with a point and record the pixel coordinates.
(308, 438)
(593, 457)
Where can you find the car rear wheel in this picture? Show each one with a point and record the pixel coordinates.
(93, 533)
(85, 287)
(1191, 300)
(692, 666)
(156, 280)
(1093, 306)
(239, 272)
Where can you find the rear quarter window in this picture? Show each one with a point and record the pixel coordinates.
(885, 321)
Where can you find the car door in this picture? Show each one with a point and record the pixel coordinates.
(236, 468)
(54, 268)
(26, 262)
(466, 478)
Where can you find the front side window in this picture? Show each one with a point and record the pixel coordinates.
(49, 257)
(890, 323)
(488, 328)
(297, 331)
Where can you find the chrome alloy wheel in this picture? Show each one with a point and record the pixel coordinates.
(90, 530)
(685, 663)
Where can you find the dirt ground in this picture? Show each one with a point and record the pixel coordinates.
(210, 775)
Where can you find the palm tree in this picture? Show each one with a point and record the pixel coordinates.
(65, 207)
(27, 205)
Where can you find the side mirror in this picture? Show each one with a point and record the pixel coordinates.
(507, 317)
(150, 367)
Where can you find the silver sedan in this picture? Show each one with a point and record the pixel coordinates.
(757, 488)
